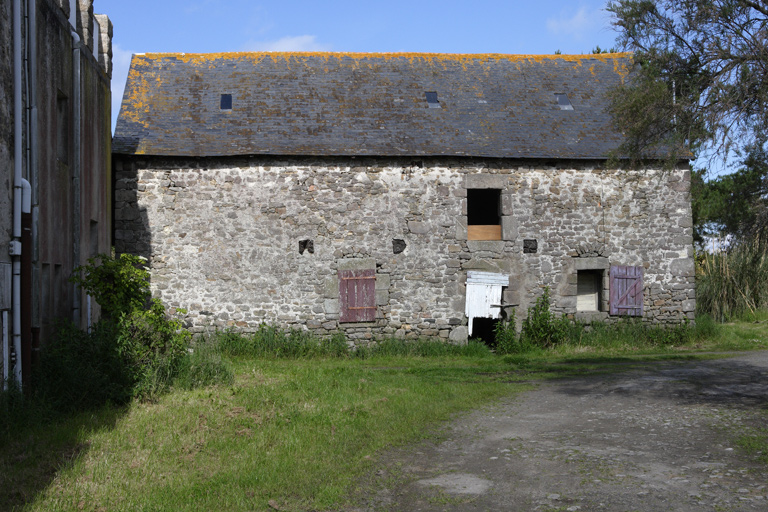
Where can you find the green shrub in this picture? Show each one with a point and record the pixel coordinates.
(542, 328)
(119, 284)
(153, 346)
(507, 339)
(135, 350)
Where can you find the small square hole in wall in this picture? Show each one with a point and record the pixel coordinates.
(226, 102)
(398, 245)
(530, 246)
(306, 245)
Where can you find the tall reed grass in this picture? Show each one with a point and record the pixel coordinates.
(734, 282)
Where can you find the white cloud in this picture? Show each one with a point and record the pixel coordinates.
(304, 43)
(121, 61)
(582, 23)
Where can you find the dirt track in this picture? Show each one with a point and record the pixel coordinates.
(656, 439)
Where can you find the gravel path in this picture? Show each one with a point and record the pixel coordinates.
(656, 439)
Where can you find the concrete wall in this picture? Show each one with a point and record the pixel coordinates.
(54, 204)
(6, 129)
(223, 237)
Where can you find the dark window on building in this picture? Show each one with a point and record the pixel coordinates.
(484, 214)
(530, 246)
(626, 293)
(357, 295)
(589, 288)
(226, 102)
(62, 128)
(563, 102)
(93, 236)
(432, 100)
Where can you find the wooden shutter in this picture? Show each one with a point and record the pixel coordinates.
(357, 295)
(626, 290)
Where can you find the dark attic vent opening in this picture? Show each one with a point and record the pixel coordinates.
(432, 99)
(226, 102)
(563, 102)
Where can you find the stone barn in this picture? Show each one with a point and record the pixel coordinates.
(393, 194)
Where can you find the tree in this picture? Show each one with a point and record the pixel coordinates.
(732, 205)
(700, 84)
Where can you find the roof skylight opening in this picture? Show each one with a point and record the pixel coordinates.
(432, 100)
(563, 102)
(226, 102)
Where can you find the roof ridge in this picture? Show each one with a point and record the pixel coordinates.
(407, 55)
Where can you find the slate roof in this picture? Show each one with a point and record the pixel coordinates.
(491, 105)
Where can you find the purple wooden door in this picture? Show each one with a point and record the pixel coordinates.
(626, 290)
(357, 295)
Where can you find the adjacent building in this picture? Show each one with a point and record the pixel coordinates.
(55, 147)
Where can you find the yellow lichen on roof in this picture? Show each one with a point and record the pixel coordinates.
(463, 58)
(137, 95)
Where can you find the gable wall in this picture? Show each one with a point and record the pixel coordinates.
(223, 237)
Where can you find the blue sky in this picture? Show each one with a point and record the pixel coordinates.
(448, 26)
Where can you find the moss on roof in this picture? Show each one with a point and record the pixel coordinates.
(308, 103)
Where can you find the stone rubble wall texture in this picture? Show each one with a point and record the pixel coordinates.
(223, 237)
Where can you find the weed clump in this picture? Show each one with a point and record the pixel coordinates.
(272, 342)
(136, 350)
(733, 283)
(542, 330)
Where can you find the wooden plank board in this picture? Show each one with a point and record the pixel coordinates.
(483, 232)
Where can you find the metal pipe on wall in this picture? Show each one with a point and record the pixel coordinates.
(15, 248)
(76, 217)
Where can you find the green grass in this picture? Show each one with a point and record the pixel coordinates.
(297, 432)
(298, 426)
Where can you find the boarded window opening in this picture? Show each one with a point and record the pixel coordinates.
(484, 214)
(589, 290)
(357, 295)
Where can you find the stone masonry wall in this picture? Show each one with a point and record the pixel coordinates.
(223, 237)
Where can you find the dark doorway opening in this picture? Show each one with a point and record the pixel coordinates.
(485, 329)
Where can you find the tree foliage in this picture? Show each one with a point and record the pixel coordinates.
(733, 206)
(700, 82)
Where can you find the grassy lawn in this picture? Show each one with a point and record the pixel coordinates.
(295, 433)
(289, 434)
